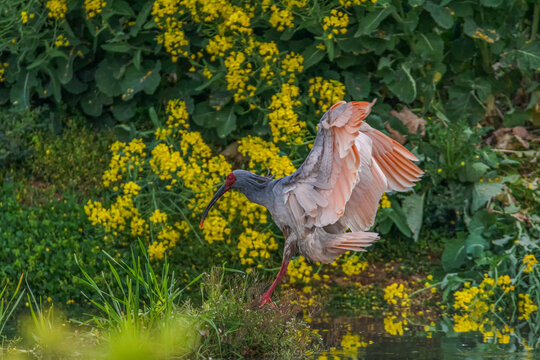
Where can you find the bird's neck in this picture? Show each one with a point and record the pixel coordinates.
(256, 189)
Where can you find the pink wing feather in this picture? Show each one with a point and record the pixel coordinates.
(348, 169)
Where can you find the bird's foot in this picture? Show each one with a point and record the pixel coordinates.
(266, 298)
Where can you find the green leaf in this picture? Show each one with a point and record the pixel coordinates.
(204, 115)
(65, 69)
(442, 16)
(141, 18)
(454, 253)
(312, 56)
(400, 221)
(136, 80)
(482, 192)
(491, 3)
(20, 91)
(219, 98)
(225, 121)
(121, 7)
(475, 245)
(413, 207)
(403, 85)
(358, 85)
(108, 75)
(371, 21)
(124, 110)
(517, 118)
(472, 172)
(528, 57)
(429, 46)
(92, 102)
(76, 86)
(118, 47)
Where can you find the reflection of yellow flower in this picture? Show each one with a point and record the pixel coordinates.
(526, 306)
(530, 261)
(394, 327)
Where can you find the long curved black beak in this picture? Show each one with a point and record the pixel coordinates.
(216, 197)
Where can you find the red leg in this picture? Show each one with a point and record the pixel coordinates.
(266, 297)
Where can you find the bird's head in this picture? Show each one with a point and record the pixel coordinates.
(244, 181)
(229, 182)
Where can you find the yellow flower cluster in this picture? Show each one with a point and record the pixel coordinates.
(526, 306)
(284, 121)
(325, 93)
(350, 3)
(219, 45)
(385, 203)
(125, 158)
(57, 8)
(165, 9)
(238, 20)
(253, 244)
(178, 115)
(158, 217)
(505, 283)
(165, 162)
(281, 18)
(25, 16)
(174, 39)
(238, 73)
(396, 294)
(393, 325)
(489, 35)
(94, 7)
(216, 229)
(300, 272)
(265, 155)
(336, 23)
(293, 63)
(529, 261)
(61, 40)
(353, 266)
(3, 67)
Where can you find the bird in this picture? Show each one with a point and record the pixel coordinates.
(326, 207)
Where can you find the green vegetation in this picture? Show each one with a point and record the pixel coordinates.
(119, 119)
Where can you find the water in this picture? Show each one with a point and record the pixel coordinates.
(366, 338)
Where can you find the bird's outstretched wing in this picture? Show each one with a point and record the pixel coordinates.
(347, 170)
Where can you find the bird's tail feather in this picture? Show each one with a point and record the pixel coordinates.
(354, 241)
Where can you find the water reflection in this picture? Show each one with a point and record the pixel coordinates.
(394, 338)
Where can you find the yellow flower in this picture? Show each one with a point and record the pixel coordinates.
(158, 217)
(61, 41)
(529, 261)
(94, 7)
(325, 93)
(281, 18)
(353, 266)
(57, 8)
(238, 74)
(526, 306)
(284, 122)
(336, 23)
(265, 155)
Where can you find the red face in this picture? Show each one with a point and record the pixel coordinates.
(229, 180)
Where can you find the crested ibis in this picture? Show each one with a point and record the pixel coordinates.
(338, 187)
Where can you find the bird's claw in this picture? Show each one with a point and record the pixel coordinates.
(265, 298)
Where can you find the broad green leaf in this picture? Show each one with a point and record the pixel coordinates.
(482, 192)
(442, 16)
(528, 57)
(403, 85)
(76, 86)
(204, 115)
(141, 18)
(64, 69)
(429, 46)
(399, 219)
(219, 98)
(372, 20)
(92, 102)
(472, 172)
(20, 91)
(454, 253)
(124, 110)
(358, 85)
(517, 118)
(108, 75)
(312, 56)
(225, 121)
(135, 81)
(121, 7)
(475, 245)
(413, 207)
